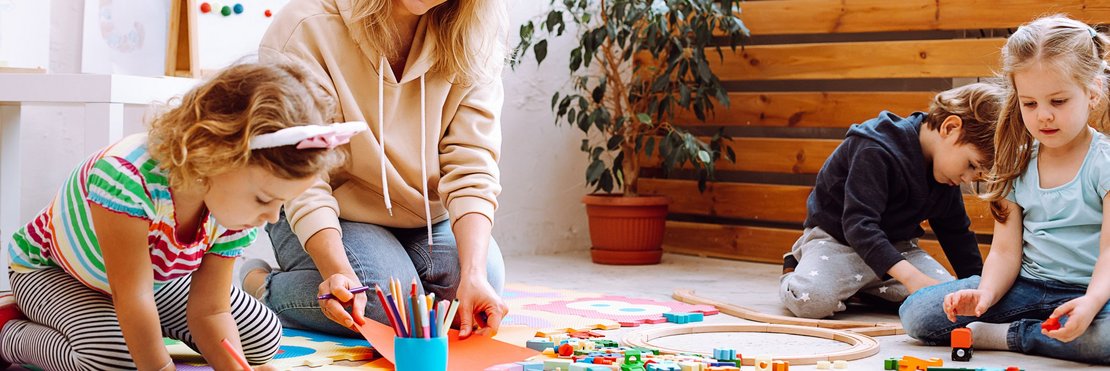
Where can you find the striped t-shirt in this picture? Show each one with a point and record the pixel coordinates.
(125, 179)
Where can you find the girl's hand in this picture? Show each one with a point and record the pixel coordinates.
(1080, 311)
(970, 302)
(339, 285)
(479, 305)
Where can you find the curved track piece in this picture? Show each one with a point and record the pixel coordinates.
(859, 327)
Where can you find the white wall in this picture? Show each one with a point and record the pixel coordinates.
(541, 166)
(542, 170)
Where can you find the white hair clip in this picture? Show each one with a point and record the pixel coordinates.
(310, 136)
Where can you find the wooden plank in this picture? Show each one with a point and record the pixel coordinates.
(770, 155)
(846, 16)
(808, 109)
(766, 202)
(884, 59)
(970, 14)
(729, 241)
(750, 201)
(756, 244)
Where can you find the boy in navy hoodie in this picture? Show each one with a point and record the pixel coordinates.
(865, 212)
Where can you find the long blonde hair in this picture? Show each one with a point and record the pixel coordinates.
(470, 35)
(1067, 45)
(209, 132)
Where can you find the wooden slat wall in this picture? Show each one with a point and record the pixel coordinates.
(851, 16)
(786, 132)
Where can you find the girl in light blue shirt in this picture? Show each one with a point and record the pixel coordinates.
(1047, 189)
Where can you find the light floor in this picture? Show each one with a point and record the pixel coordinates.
(750, 284)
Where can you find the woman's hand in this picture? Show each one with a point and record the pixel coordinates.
(1080, 311)
(970, 302)
(339, 285)
(479, 306)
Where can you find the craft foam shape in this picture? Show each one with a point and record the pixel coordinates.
(626, 311)
(840, 364)
(474, 353)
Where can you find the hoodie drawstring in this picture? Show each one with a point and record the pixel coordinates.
(424, 161)
(423, 147)
(381, 132)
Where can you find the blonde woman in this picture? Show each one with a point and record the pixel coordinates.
(417, 196)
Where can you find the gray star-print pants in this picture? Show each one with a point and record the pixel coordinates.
(829, 272)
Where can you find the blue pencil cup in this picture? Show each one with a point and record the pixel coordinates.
(420, 354)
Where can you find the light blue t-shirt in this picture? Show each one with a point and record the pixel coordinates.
(1062, 224)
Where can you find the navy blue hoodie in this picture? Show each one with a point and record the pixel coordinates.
(877, 188)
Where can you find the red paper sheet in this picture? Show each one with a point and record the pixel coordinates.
(473, 353)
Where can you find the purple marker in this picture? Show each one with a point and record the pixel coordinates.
(353, 291)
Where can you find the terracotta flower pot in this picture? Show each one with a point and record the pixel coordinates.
(626, 230)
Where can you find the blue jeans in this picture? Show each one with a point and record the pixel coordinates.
(376, 253)
(1024, 307)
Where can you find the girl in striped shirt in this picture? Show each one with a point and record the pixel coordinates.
(140, 241)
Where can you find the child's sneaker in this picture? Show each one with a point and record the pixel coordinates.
(789, 262)
(8, 311)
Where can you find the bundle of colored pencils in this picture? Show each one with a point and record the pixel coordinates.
(418, 315)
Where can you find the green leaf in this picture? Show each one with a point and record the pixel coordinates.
(594, 171)
(575, 59)
(526, 31)
(585, 145)
(606, 182)
(614, 142)
(541, 50)
(644, 118)
(596, 153)
(553, 19)
(703, 156)
(554, 100)
(599, 93)
(650, 146)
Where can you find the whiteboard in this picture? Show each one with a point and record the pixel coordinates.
(223, 40)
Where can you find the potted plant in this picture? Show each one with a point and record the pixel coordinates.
(638, 63)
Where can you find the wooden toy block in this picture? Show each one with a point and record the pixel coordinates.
(506, 367)
(724, 354)
(909, 363)
(780, 366)
(840, 364)
(824, 365)
(531, 365)
(561, 363)
(539, 344)
(762, 363)
(585, 335)
(691, 366)
(1051, 324)
(890, 364)
(667, 366)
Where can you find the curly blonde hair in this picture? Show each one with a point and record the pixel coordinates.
(209, 131)
(470, 35)
(1067, 45)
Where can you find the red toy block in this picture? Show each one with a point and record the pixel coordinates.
(1051, 324)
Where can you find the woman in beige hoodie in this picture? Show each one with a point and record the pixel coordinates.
(416, 199)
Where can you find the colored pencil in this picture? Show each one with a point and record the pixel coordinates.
(242, 361)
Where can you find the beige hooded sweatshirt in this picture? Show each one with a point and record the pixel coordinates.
(452, 144)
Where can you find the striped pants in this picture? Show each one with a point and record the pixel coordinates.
(73, 327)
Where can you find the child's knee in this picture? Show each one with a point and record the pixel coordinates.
(808, 301)
(263, 343)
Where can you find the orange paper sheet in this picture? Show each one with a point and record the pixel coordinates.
(473, 353)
